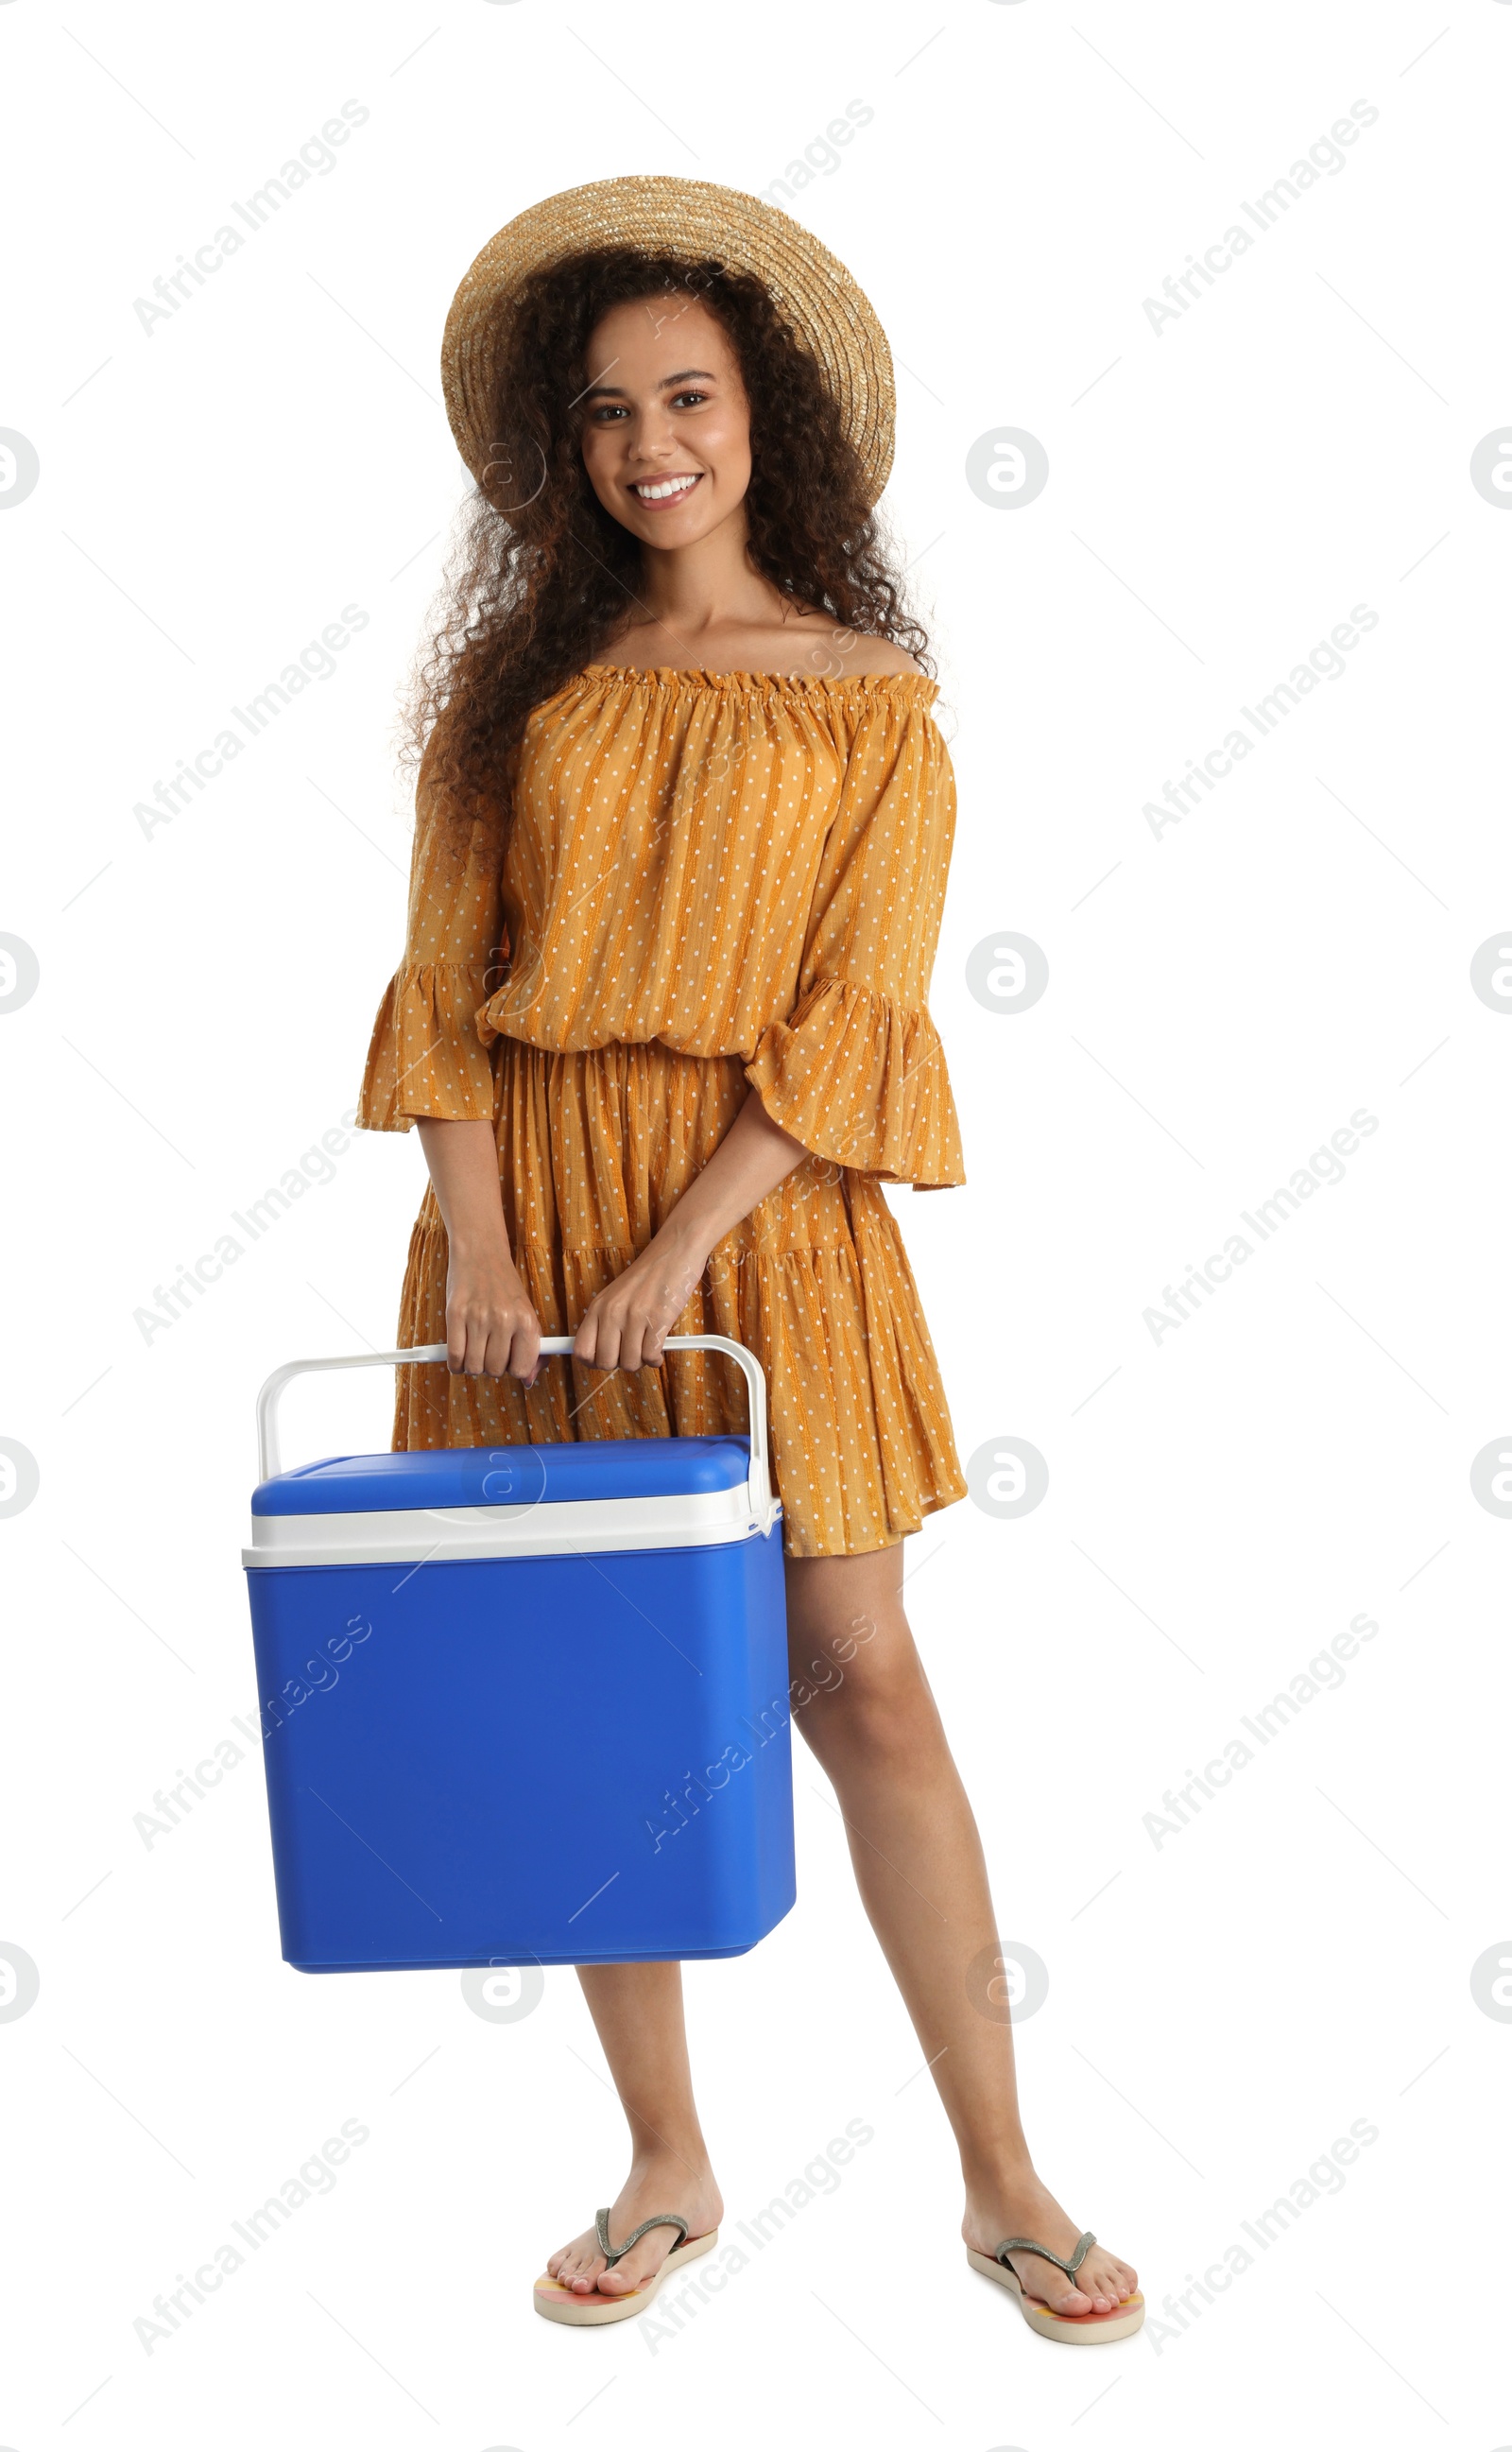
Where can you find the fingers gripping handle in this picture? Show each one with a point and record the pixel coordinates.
(759, 1489)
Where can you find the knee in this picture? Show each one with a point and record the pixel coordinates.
(882, 1709)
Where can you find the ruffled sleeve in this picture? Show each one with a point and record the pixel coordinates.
(424, 1057)
(856, 1071)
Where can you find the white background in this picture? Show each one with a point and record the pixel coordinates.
(1221, 998)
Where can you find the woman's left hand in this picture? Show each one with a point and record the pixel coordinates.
(625, 1326)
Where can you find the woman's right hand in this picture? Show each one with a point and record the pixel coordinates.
(491, 1322)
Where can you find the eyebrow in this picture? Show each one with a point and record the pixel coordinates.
(688, 372)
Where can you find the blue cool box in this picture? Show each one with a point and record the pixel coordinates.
(523, 1705)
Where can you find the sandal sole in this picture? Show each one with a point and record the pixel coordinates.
(1083, 2330)
(563, 2307)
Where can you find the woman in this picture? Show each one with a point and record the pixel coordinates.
(683, 825)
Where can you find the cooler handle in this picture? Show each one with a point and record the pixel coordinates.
(760, 1488)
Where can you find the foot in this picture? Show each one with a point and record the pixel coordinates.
(660, 2185)
(1023, 2208)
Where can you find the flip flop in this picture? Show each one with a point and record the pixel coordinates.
(1125, 2318)
(564, 2306)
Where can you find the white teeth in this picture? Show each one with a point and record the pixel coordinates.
(659, 493)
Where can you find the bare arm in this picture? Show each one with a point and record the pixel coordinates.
(491, 1324)
(624, 1326)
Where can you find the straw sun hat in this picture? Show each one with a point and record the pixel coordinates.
(685, 217)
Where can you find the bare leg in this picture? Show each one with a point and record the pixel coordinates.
(637, 2011)
(862, 1700)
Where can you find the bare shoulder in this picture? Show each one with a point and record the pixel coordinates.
(881, 655)
(873, 657)
(865, 658)
(805, 641)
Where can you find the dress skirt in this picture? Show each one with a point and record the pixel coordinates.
(595, 1150)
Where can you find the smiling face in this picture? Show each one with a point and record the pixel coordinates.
(666, 436)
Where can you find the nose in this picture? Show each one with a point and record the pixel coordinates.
(653, 440)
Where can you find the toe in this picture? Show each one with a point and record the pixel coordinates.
(1047, 2282)
(638, 2266)
(1118, 2280)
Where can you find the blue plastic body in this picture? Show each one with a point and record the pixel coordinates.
(570, 1759)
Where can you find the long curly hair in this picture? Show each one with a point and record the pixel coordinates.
(541, 577)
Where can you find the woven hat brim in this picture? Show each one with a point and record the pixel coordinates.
(694, 219)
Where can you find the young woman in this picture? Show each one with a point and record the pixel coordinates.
(683, 825)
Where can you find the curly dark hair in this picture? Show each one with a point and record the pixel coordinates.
(542, 576)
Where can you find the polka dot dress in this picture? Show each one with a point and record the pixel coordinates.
(713, 882)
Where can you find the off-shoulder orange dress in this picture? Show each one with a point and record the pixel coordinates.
(713, 882)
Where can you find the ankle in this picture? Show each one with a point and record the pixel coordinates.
(684, 2151)
(1010, 2174)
